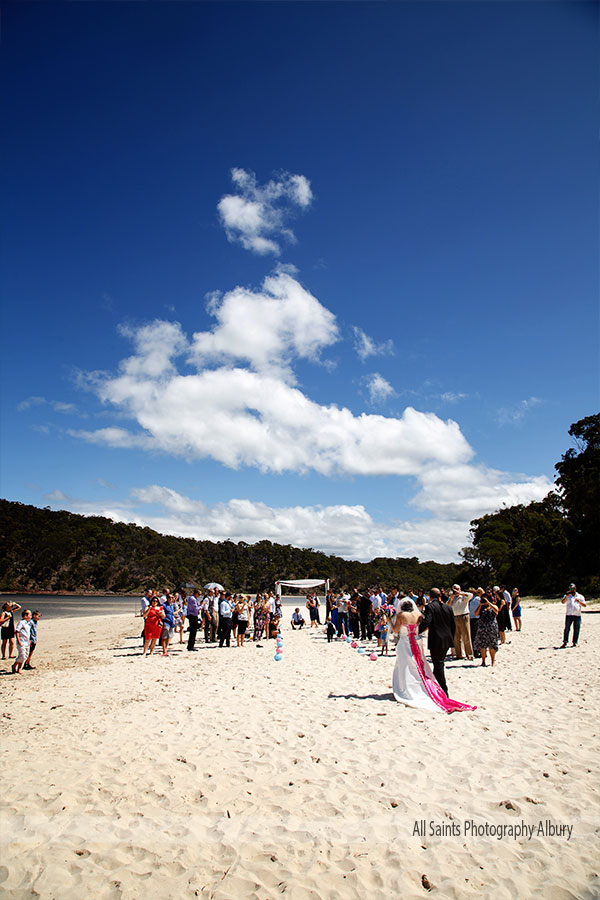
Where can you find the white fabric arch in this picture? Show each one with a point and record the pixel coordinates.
(302, 583)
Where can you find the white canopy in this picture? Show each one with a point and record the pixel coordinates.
(302, 583)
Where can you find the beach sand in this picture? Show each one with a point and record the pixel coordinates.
(225, 774)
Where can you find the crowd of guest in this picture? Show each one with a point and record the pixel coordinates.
(217, 615)
(482, 617)
(22, 636)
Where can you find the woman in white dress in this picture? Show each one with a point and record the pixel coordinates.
(413, 680)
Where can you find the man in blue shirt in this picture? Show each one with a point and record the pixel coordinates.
(225, 614)
(168, 622)
(192, 613)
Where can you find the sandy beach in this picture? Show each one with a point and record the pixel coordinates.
(225, 774)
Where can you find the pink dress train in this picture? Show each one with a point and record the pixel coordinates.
(413, 680)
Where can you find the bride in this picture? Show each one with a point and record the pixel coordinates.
(413, 681)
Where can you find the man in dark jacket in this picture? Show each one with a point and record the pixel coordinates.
(438, 618)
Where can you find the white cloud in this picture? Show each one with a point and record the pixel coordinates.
(365, 346)
(452, 397)
(268, 329)
(240, 417)
(379, 389)
(229, 394)
(57, 405)
(29, 402)
(515, 414)
(464, 492)
(255, 216)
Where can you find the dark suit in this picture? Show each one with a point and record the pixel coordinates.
(439, 619)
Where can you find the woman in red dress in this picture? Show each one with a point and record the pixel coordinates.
(154, 616)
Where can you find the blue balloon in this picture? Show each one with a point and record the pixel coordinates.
(278, 656)
(360, 650)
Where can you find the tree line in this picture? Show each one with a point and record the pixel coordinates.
(62, 551)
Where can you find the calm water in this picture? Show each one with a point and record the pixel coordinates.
(56, 606)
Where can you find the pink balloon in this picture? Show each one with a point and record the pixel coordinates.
(354, 645)
(373, 657)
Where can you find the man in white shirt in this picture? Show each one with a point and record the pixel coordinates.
(22, 634)
(459, 601)
(574, 603)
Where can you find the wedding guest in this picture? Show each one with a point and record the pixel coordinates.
(192, 612)
(225, 615)
(168, 622)
(22, 633)
(330, 630)
(273, 625)
(503, 613)
(459, 602)
(35, 618)
(474, 603)
(243, 614)
(353, 614)
(313, 611)
(179, 615)
(383, 635)
(297, 619)
(364, 612)
(260, 614)
(574, 602)
(234, 615)
(334, 611)
(515, 608)
(154, 616)
(7, 633)
(342, 610)
(487, 629)
(318, 607)
(209, 617)
(507, 603)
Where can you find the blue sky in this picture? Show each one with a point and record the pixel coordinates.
(321, 273)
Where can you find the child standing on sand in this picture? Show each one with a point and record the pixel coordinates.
(35, 618)
(384, 630)
(330, 630)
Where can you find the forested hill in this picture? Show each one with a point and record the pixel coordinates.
(60, 551)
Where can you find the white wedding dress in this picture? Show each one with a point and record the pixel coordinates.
(413, 680)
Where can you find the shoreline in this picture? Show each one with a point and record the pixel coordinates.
(225, 774)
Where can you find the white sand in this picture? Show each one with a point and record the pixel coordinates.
(224, 774)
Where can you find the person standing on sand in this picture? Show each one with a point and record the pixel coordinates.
(154, 616)
(35, 618)
(474, 604)
(225, 614)
(487, 628)
(574, 603)
(438, 620)
(311, 605)
(459, 602)
(515, 608)
(243, 615)
(209, 617)
(23, 633)
(192, 613)
(364, 613)
(8, 628)
(168, 622)
(144, 604)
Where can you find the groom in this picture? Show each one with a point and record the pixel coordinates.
(439, 619)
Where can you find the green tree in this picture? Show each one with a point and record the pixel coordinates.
(578, 485)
